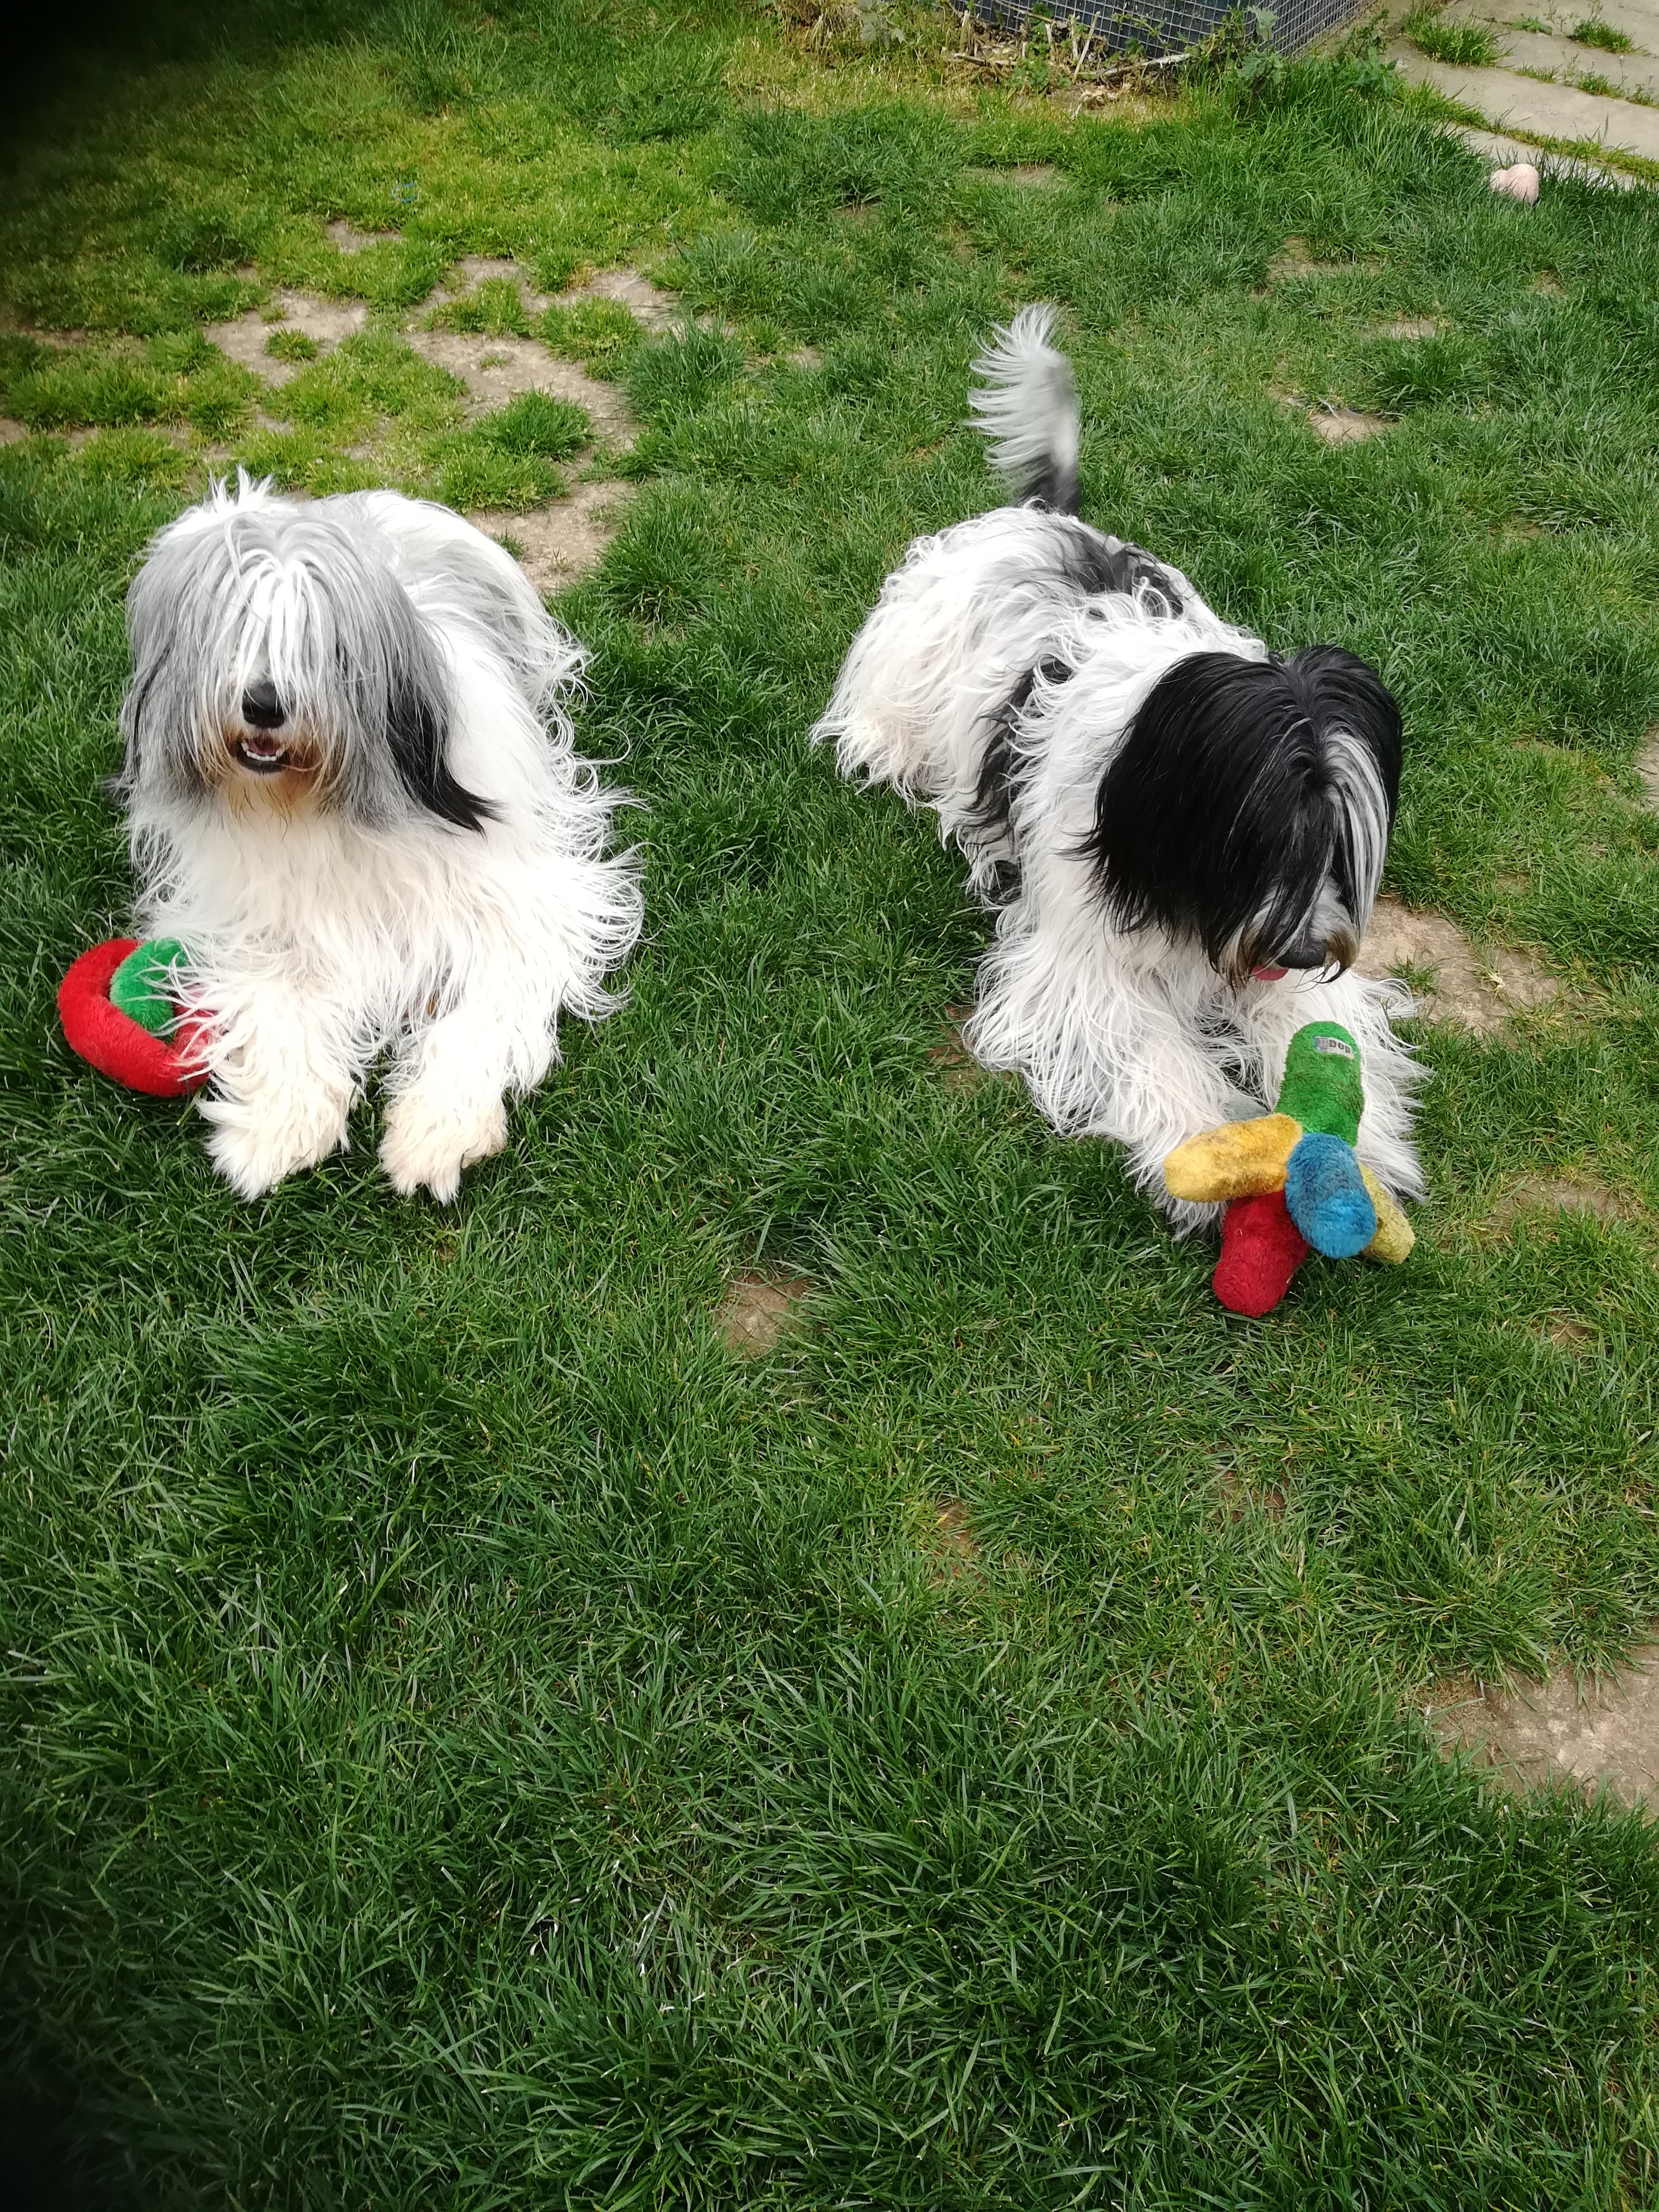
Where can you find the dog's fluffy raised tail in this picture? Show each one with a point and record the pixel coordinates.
(1025, 407)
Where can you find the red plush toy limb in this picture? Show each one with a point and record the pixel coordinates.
(115, 1044)
(1261, 1247)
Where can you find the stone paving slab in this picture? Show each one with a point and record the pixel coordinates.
(1537, 43)
(1502, 151)
(1557, 53)
(1536, 54)
(1637, 19)
(1545, 111)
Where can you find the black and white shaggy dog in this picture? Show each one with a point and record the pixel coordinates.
(353, 795)
(1182, 831)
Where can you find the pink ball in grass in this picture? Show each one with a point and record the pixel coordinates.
(1520, 183)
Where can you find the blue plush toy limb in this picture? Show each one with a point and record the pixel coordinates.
(1327, 1197)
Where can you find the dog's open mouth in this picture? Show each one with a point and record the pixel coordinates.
(261, 756)
(1269, 974)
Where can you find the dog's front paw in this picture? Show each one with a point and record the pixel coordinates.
(430, 1144)
(255, 1142)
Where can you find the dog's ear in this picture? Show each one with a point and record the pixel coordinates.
(1358, 720)
(124, 784)
(417, 737)
(160, 713)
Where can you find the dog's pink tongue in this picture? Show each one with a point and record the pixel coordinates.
(1269, 974)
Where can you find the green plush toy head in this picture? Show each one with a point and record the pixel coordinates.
(1322, 1088)
(143, 986)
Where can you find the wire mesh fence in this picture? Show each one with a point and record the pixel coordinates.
(1155, 27)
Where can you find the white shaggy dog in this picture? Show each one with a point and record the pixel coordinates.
(353, 796)
(1183, 832)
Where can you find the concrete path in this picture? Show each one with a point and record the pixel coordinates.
(1502, 149)
(1545, 82)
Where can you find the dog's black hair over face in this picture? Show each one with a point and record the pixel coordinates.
(1240, 788)
(416, 733)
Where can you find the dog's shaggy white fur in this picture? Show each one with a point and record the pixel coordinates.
(353, 795)
(1183, 835)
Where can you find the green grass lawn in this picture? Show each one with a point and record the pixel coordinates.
(469, 1740)
(1467, 45)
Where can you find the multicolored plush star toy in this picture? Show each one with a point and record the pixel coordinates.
(119, 1012)
(1293, 1178)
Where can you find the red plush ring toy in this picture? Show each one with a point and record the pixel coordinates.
(113, 1043)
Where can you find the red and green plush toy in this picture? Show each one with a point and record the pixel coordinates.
(1291, 1179)
(120, 1010)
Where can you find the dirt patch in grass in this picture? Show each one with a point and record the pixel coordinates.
(1602, 1734)
(954, 1546)
(758, 1311)
(1295, 258)
(1329, 419)
(1420, 326)
(1343, 426)
(1567, 1334)
(473, 270)
(1031, 174)
(63, 341)
(350, 239)
(497, 369)
(494, 369)
(1478, 994)
(325, 322)
(955, 1065)
(1239, 1502)
(1546, 1194)
(82, 434)
(652, 308)
(554, 544)
(1647, 766)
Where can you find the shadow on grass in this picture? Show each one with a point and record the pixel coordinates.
(47, 2162)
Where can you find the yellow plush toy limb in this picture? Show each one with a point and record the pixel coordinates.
(1395, 1234)
(1241, 1159)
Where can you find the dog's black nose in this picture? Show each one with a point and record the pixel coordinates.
(1308, 951)
(261, 709)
